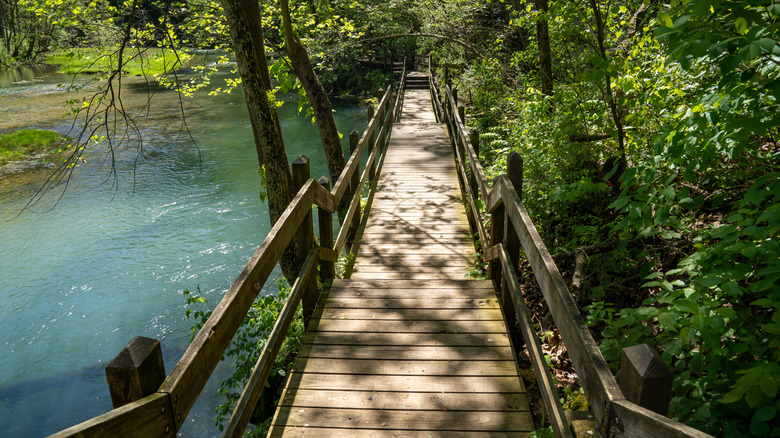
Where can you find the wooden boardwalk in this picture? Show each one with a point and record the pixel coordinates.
(408, 345)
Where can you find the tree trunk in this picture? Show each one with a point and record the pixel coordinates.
(610, 98)
(318, 98)
(545, 55)
(246, 33)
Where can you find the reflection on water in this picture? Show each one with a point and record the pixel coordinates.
(109, 262)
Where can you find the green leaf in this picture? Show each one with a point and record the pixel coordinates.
(686, 306)
(768, 385)
(664, 19)
(754, 396)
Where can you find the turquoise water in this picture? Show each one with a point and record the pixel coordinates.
(108, 262)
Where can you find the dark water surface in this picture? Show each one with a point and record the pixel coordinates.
(78, 281)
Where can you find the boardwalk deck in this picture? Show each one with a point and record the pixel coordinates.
(408, 346)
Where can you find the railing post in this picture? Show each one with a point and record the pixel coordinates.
(447, 80)
(474, 140)
(462, 113)
(370, 145)
(645, 379)
(353, 144)
(137, 371)
(325, 219)
(455, 95)
(512, 242)
(305, 237)
(514, 169)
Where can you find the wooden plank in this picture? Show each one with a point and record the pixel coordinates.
(482, 314)
(379, 367)
(416, 259)
(468, 384)
(433, 295)
(512, 402)
(324, 432)
(638, 421)
(147, 417)
(407, 420)
(407, 352)
(411, 275)
(393, 327)
(412, 339)
(404, 303)
(388, 284)
(405, 271)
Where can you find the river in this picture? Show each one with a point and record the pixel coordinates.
(83, 274)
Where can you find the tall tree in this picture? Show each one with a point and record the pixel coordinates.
(318, 98)
(545, 55)
(246, 33)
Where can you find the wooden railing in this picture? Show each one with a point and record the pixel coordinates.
(616, 410)
(161, 411)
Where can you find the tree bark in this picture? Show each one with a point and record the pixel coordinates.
(246, 33)
(610, 98)
(318, 98)
(545, 55)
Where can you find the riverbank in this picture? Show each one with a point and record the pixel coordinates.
(28, 149)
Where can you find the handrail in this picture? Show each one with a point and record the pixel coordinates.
(162, 413)
(613, 412)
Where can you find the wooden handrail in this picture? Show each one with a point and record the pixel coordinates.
(254, 387)
(162, 414)
(614, 414)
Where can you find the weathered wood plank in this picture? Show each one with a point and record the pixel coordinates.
(406, 303)
(389, 284)
(420, 294)
(411, 339)
(150, 416)
(379, 367)
(407, 352)
(312, 431)
(408, 420)
(393, 327)
(468, 384)
(481, 314)
(512, 402)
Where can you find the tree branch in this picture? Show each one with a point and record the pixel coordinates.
(466, 46)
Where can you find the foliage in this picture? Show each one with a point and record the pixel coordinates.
(248, 343)
(21, 144)
(694, 203)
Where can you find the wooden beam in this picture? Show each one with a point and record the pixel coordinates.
(188, 378)
(254, 387)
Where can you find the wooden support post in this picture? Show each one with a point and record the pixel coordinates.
(473, 185)
(325, 219)
(370, 112)
(512, 242)
(370, 145)
(354, 137)
(447, 80)
(137, 371)
(645, 379)
(305, 238)
(514, 169)
(455, 95)
(462, 113)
